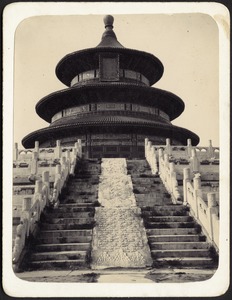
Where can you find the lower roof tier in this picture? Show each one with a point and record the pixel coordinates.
(119, 92)
(110, 124)
(108, 116)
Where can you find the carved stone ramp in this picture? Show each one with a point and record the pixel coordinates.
(119, 237)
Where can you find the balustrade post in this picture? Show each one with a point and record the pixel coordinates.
(38, 187)
(145, 148)
(26, 207)
(58, 169)
(172, 176)
(27, 202)
(189, 147)
(186, 179)
(210, 151)
(63, 162)
(79, 147)
(34, 163)
(146, 141)
(45, 180)
(168, 147)
(153, 160)
(194, 163)
(58, 150)
(166, 160)
(36, 148)
(160, 152)
(197, 191)
(16, 151)
(45, 176)
(67, 155)
(212, 204)
(58, 174)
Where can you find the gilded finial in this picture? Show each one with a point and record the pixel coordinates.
(108, 21)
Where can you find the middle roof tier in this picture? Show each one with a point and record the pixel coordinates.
(113, 92)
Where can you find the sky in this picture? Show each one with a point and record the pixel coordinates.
(186, 44)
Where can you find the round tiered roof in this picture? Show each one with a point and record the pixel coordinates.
(88, 59)
(111, 124)
(48, 106)
(123, 90)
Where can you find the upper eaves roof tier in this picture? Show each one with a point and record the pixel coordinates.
(88, 59)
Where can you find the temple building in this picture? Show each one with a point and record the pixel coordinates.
(110, 103)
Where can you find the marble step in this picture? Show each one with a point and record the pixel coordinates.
(179, 245)
(163, 211)
(59, 255)
(165, 208)
(67, 221)
(70, 264)
(65, 236)
(62, 247)
(65, 226)
(72, 215)
(183, 262)
(176, 238)
(68, 204)
(76, 208)
(171, 231)
(150, 224)
(53, 233)
(170, 219)
(180, 253)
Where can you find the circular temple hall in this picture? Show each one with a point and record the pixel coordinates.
(109, 103)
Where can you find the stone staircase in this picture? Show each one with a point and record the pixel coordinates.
(174, 237)
(65, 235)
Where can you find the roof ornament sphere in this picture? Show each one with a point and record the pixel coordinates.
(108, 21)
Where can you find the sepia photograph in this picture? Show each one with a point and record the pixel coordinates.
(116, 149)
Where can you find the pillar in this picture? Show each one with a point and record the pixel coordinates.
(197, 192)
(146, 141)
(58, 151)
(146, 148)
(38, 186)
(67, 154)
(210, 151)
(211, 197)
(45, 176)
(168, 147)
(160, 152)
(79, 147)
(36, 149)
(197, 182)
(27, 202)
(189, 147)
(166, 160)
(194, 163)
(34, 163)
(186, 179)
(58, 169)
(212, 203)
(16, 151)
(172, 167)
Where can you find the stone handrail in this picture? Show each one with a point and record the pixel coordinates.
(151, 157)
(51, 153)
(43, 195)
(205, 212)
(169, 177)
(203, 153)
(166, 170)
(31, 211)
